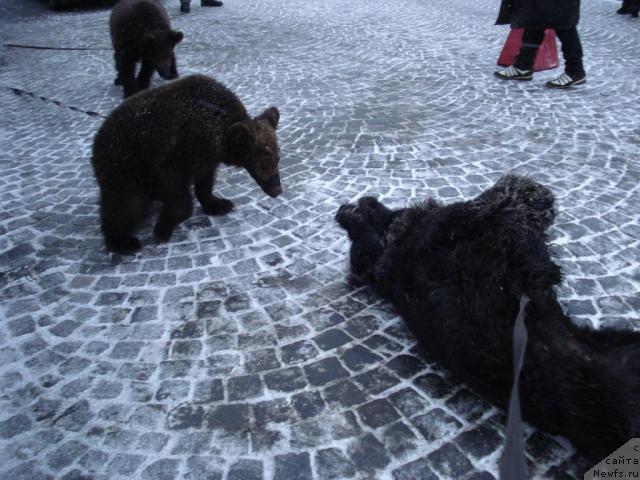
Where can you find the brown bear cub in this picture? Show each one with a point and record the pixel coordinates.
(156, 143)
(141, 32)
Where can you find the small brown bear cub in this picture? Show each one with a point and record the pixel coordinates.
(141, 32)
(156, 143)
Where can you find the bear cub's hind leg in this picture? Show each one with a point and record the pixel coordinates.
(126, 76)
(119, 216)
(177, 204)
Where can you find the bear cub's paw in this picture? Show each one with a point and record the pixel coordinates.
(125, 246)
(218, 206)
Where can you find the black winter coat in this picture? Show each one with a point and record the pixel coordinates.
(539, 13)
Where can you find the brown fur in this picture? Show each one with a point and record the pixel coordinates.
(141, 32)
(156, 143)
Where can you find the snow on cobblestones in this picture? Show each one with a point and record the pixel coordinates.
(239, 350)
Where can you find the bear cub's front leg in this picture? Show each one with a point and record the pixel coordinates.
(211, 204)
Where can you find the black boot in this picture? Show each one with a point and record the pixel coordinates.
(211, 3)
(185, 7)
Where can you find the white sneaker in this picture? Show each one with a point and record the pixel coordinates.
(513, 73)
(566, 81)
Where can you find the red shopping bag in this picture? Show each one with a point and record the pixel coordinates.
(546, 58)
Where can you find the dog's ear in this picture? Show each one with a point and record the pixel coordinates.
(343, 215)
(350, 218)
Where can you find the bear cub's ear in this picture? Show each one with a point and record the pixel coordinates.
(149, 42)
(175, 37)
(241, 136)
(271, 115)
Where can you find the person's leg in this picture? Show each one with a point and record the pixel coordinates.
(573, 68)
(531, 40)
(185, 6)
(522, 69)
(572, 52)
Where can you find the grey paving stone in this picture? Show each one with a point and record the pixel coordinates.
(467, 405)
(152, 441)
(75, 417)
(185, 416)
(295, 466)
(22, 326)
(164, 469)
(44, 409)
(377, 413)
(76, 474)
(433, 385)
(298, 352)
(261, 360)
(436, 424)
(359, 357)
(449, 461)
(408, 401)
(332, 464)
(106, 389)
(192, 442)
(417, 469)
(207, 391)
(332, 338)
(308, 404)
(241, 388)
(399, 439)
(324, 371)
(192, 329)
(344, 393)
(124, 464)
(266, 440)
(65, 454)
(14, 426)
(202, 467)
(230, 417)
(277, 411)
(368, 454)
(405, 366)
(27, 471)
(245, 469)
(286, 380)
(93, 459)
(480, 441)
(376, 381)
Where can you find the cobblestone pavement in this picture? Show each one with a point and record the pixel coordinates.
(239, 350)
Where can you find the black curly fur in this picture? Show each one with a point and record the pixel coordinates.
(456, 272)
(631, 7)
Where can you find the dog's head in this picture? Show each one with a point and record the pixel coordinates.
(366, 223)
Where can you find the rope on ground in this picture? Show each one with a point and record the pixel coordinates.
(20, 92)
(40, 47)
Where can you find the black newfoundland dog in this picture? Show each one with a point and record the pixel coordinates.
(630, 7)
(456, 274)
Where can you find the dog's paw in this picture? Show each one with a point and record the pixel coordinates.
(162, 232)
